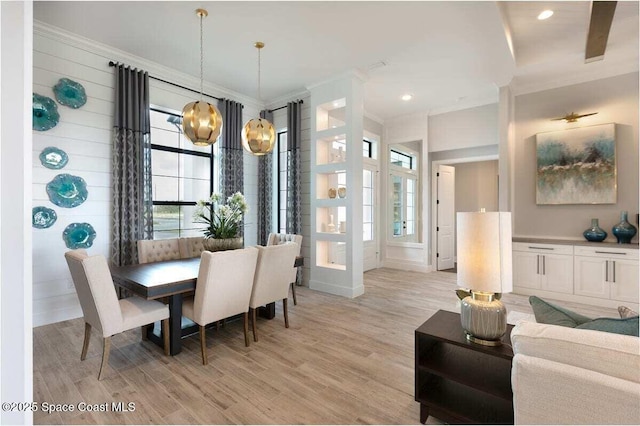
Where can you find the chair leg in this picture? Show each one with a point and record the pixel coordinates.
(203, 344)
(106, 347)
(286, 312)
(245, 323)
(87, 338)
(165, 335)
(253, 324)
(217, 325)
(143, 330)
(293, 290)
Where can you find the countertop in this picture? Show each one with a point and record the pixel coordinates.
(573, 242)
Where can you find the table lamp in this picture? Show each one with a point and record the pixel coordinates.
(484, 267)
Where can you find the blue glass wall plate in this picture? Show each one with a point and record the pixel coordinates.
(53, 158)
(70, 93)
(79, 235)
(45, 113)
(67, 190)
(43, 217)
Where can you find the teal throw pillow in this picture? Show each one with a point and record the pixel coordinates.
(548, 313)
(628, 326)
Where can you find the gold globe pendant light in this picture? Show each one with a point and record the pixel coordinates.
(201, 121)
(258, 134)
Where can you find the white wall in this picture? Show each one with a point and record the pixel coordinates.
(85, 134)
(615, 100)
(466, 128)
(16, 349)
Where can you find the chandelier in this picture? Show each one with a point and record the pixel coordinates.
(201, 121)
(258, 135)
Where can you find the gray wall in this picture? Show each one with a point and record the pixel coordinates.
(477, 186)
(616, 101)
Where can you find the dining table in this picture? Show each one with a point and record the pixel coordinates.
(170, 279)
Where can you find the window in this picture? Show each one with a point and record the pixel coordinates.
(367, 148)
(182, 174)
(283, 170)
(401, 159)
(368, 204)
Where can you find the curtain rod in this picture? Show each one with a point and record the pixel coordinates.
(284, 106)
(115, 64)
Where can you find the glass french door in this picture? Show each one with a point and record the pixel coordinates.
(403, 207)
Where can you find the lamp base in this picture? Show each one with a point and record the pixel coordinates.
(483, 318)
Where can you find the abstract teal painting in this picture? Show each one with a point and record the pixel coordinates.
(577, 166)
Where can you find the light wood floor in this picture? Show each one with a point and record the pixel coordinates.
(341, 362)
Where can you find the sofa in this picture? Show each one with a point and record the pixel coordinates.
(562, 375)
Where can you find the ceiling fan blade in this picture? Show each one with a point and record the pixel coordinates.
(601, 17)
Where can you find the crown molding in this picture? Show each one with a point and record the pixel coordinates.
(374, 117)
(519, 88)
(153, 68)
(352, 73)
(289, 97)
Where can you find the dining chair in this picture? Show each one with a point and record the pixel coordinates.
(101, 308)
(223, 289)
(158, 250)
(276, 239)
(272, 279)
(191, 247)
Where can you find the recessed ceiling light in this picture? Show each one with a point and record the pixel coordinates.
(336, 104)
(407, 97)
(545, 14)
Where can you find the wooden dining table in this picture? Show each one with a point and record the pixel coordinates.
(170, 279)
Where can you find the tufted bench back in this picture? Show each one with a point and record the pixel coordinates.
(158, 250)
(191, 247)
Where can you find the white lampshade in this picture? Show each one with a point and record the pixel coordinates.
(484, 252)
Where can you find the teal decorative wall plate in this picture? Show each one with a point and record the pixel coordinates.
(45, 113)
(67, 190)
(79, 235)
(43, 217)
(70, 93)
(53, 158)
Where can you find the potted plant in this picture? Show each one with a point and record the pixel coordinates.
(223, 219)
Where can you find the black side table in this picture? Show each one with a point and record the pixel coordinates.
(458, 381)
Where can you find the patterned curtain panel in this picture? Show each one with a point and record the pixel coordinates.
(265, 190)
(294, 194)
(231, 152)
(131, 165)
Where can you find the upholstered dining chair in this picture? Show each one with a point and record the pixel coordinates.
(101, 308)
(223, 289)
(191, 247)
(272, 279)
(276, 239)
(158, 250)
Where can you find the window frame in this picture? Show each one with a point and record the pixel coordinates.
(281, 227)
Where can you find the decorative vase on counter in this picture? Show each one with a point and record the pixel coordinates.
(342, 192)
(624, 231)
(222, 244)
(332, 193)
(595, 233)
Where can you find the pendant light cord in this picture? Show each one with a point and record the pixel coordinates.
(201, 60)
(259, 92)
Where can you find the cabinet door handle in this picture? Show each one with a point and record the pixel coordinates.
(541, 248)
(613, 269)
(537, 264)
(611, 252)
(606, 273)
(544, 265)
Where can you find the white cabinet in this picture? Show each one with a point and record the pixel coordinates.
(607, 273)
(546, 267)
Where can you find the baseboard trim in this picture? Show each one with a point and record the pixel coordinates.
(336, 289)
(406, 266)
(57, 315)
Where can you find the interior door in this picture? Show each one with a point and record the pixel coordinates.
(445, 216)
(369, 217)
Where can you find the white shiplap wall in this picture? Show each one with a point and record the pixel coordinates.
(280, 123)
(85, 135)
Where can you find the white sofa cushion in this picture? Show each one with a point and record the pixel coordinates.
(607, 353)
